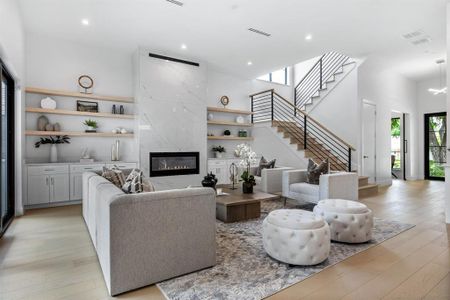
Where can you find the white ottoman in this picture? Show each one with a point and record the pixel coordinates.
(350, 221)
(296, 237)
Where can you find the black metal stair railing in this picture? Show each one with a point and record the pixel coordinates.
(317, 77)
(307, 132)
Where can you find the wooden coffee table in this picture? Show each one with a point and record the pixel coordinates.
(240, 207)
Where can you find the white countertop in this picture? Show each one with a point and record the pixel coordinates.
(40, 163)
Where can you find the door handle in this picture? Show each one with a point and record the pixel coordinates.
(365, 156)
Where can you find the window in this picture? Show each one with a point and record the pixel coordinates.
(435, 145)
(6, 148)
(280, 76)
(395, 144)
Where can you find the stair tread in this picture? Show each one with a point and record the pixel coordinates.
(369, 186)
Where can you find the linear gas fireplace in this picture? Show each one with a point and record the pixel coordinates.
(173, 163)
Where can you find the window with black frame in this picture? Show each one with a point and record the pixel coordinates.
(435, 145)
(7, 184)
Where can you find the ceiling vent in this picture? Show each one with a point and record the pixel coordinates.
(416, 38)
(179, 3)
(421, 41)
(412, 35)
(259, 32)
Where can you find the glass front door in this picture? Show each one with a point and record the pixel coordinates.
(435, 145)
(7, 198)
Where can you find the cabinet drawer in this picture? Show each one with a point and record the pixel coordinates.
(85, 168)
(217, 163)
(48, 170)
(123, 165)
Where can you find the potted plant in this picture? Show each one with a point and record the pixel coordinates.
(53, 141)
(218, 151)
(91, 125)
(248, 157)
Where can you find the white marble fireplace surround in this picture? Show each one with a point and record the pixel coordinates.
(171, 109)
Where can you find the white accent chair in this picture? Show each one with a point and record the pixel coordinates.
(296, 237)
(341, 185)
(350, 221)
(270, 180)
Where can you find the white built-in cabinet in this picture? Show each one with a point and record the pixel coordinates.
(221, 168)
(49, 184)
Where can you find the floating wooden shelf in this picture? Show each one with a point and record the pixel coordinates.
(231, 111)
(77, 133)
(76, 113)
(34, 90)
(230, 138)
(229, 123)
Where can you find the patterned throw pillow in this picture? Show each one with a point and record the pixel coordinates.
(264, 164)
(148, 185)
(315, 170)
(114, 175)
(134, 182)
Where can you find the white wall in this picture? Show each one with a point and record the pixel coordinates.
(238, 90)
(57, 64)
(172, 113)
(12, 53)
(390, 92)
(338, 111)
(427, 103)
(302, 68)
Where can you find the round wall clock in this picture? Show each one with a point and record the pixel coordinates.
(224, 100)
(85, 82)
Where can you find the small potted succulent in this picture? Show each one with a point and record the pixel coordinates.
(91, 125)
(218, 151)
(53, 141)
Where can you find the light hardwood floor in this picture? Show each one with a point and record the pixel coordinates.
(47, 254)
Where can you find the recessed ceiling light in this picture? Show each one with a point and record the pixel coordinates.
(85, 22)
(308, 37)
(249, 63)
(183, 46)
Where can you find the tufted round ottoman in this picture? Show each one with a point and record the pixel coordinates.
(350, 221)
(296, 237)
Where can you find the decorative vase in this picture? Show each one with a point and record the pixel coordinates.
(53, 153)
(247, 187)
(218, 154)
(209, 180)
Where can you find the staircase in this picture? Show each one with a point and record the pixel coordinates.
(366, 189)
(306, 133)
(319, 79)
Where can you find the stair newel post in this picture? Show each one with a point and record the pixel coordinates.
(305, 140)
(271, 103)
(251, 109)
(320, 62)
(349, 159)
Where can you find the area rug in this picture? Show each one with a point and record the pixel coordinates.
(245, 271)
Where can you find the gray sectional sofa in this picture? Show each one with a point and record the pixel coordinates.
(145, 238)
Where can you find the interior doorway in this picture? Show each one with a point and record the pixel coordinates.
(369, 134)
(435, 131)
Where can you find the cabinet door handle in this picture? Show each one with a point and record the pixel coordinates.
(48, 170)
(53, 181)
(46, 180)
(88, 168)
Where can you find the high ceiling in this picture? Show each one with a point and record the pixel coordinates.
(216, 31)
